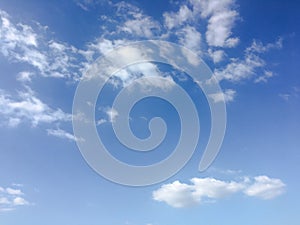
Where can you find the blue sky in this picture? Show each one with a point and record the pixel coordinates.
(251, 47)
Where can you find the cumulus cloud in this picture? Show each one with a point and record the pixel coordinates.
(200, 190)
(190, 38)
(221, 17)
(265, 187)
(10, 198)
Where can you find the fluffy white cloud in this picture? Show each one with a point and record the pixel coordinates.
(265, 187)
(19, 201)
(217, 55)
(10, 198)
(28, 107)
(190, 38)
(221, 19)
(180, 195)
(12, 191)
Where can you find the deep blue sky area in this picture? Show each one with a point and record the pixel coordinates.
(49, 48)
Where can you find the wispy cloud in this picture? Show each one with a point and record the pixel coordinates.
(200, 190)
(61, 134)
(21, 43)
(28, 107)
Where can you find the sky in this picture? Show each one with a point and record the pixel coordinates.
(48, 48)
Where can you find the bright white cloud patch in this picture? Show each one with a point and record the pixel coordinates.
(221, 19)
(11, 198)
(28, 107)
(180, 195)
(265, 187)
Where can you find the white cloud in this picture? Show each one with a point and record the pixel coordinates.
(25, 76)
(61, 134)
(12, 191)
(217, 55)
(112, 114)
(21, 43)
(176, 194)
(19, 201)
(219, 29)
(259, 47)
(11, 198)
(265, 77)
(172, 19)
(190, 38)
(265, 187)
(28, 107)
(240, 69)
(200, 190)
(227, 96)
(142, 26)
(221, 19)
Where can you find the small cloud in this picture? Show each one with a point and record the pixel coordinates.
(19, 201)
(12, 191)
(25, 76)
(11, 197)
(101, 121)
(264, 78)
(112, 114)
(227, 96)
(217, 55)
(61, 134)
(285, 97)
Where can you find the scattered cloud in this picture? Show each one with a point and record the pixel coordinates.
(240, 69)
(226, 96)
(10, 198)
(112, 114)
(175, 19)
(61, 134)
(21, 43)
(265, 77)
(28, 107)
(200, 190)
(259, 47)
